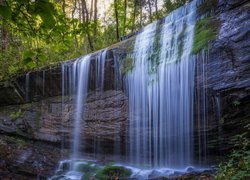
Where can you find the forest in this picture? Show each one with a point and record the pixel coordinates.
(38, 33)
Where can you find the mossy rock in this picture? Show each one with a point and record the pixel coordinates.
(113, 173)
(86, 168)
(16, 115)
(206, 31)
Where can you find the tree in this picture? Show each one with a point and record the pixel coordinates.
(125, 17)
(116, 20)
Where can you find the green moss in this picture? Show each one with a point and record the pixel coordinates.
(15, 140)
(236, 103)
(87, 169)
(154, 58)
(205, 31)
(16, 115)
(180, 41)
(113, 172)
(26, 106)
(128, 64)
(129, 45)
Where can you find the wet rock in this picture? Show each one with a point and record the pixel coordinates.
(190, 169)
(155, 174)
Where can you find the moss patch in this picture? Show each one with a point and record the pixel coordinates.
(127, 64)
(206, 31)
(154, 57)
(113, 172)
(16, 115)
(180, 41)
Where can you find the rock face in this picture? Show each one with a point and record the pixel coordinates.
(39, 132)
(36, 127)
(226, 78)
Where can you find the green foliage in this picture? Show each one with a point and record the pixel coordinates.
(16, 115)
(205, 32)
(110, 172)
(5, 11)
(236, 103)
(40, 33)
(238, 165)
(170, 5)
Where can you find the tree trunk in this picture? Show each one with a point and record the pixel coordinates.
(125, 17)
(95, 18)
(134, 16)
(63, 7)
(140, 14)
(73, 10)
(117, 21)
(91, 10)
(156, 8)
(4, 32)
(150, 10)
(86, 18)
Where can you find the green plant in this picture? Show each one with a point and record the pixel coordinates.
(238, 165)
(110, 172)
(205, 31)
(236, 103)
(15, 115)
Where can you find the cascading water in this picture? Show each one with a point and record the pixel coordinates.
(27, 87)
(80, 75)
(160, 89)
(201, 100)
(99, 87)
(100, 67)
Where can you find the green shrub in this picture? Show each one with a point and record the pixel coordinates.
(238, 165)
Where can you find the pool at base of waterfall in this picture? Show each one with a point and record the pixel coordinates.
(88, 170)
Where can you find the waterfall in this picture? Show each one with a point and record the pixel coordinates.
(27, 87)
(201, 105)
(81, 73)
(160, 86)
(44, 76)
(99, 88)
(100, 67)
(161, 92)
